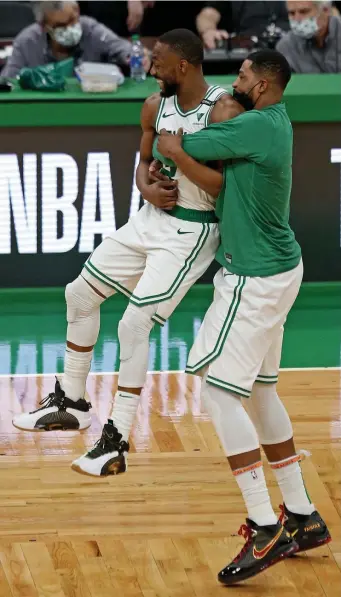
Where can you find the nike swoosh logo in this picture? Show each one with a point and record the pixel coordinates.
(259, 554)
(164, 115)
(183, 232)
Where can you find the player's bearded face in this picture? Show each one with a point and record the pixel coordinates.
(165, 65)
(168, 88)
(167, 83)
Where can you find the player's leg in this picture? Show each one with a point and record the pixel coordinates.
(174, 263)
(276, 436)
(168, 276)
(115, 265)
(66, 408)
(109, 455)
(133, 331)
(233, 341)
(225, 321)
(112, 266)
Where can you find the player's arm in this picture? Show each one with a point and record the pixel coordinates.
(162, 194)
(148, 117)
(240, 137)
(225, 109)
(203, 176)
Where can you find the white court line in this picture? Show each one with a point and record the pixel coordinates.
(3, 375)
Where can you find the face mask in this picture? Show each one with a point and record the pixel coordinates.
(244, 99)
(306, 28)
(67, 36)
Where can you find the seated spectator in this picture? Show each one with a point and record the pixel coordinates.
(314, 43)
(60, 32)
(244, 18)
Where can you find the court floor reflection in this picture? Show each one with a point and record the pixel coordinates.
(32, 333)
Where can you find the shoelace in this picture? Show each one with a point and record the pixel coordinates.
(283, 515)
(105, 441)
(246, 532)
(50, 400)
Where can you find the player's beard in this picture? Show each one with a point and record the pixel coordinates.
(169, 89)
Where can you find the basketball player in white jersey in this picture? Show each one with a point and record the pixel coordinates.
(154, 259)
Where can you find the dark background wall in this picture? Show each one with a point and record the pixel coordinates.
(315, 213)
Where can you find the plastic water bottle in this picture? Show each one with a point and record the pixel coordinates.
(137, 72)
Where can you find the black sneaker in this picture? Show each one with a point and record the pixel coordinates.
(309, 530)
(265, 546)
(57, 412)
(107, 457)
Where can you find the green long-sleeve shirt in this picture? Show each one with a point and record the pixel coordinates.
(254, 203)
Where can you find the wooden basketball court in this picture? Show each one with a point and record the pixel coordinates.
(165, 528)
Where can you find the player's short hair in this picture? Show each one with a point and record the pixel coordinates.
(184, 43)
(272, 64)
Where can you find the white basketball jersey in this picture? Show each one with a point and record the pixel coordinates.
(171, 118)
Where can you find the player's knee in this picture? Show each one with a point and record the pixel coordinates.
(262, 393)
(134, 328)
(269, 414)
(81, 300)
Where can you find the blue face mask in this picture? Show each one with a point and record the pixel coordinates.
(306, 28)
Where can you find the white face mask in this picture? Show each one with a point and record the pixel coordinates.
(67, 36)
(306, 28)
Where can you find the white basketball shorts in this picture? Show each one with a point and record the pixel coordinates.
(154, 259)
(240, 339)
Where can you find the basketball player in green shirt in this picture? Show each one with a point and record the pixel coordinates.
(238, 348)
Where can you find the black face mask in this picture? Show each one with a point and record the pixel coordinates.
(244, 99)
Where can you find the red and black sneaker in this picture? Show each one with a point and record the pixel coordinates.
(308, 530)
(265, 546)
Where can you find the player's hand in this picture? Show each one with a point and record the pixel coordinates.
(162, 194)
(135, 14)
(212, 36)
(154, 172)
(169, 144)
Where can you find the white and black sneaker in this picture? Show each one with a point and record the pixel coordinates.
(107, 457)
(57, 412)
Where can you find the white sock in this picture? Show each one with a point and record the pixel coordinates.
(252, 484)
(290, 480)
(76, 370)
(124, 412)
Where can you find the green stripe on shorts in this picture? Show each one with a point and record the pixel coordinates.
(267, 379)
(219, 345)
(214, 381)
(156, 298)
(158, 319)
(105, 279)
